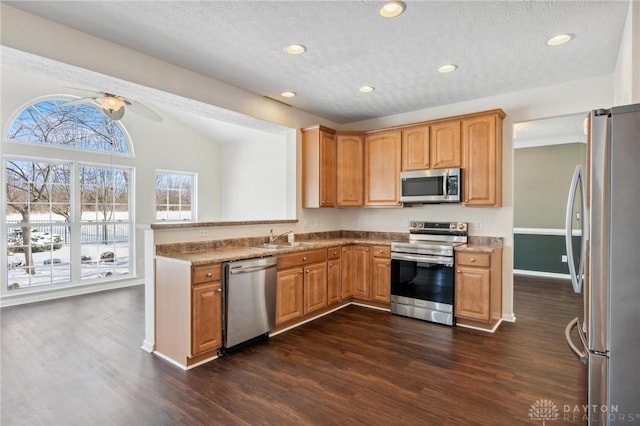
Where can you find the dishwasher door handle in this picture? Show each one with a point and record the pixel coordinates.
(241, 270)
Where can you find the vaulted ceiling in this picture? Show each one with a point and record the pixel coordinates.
(498, 46)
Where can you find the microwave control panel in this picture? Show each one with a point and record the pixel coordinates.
(452, 185)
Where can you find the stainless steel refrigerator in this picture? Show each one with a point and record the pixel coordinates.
(606, 264)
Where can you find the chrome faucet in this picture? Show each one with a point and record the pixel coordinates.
(273, 239)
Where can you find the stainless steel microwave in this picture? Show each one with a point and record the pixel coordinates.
(431, 186)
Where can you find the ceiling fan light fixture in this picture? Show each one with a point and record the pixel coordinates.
(288, 94)
(367, 89)
(296, 49)
(111, 103)
(392, 9)
(559, 39)
(447, 68)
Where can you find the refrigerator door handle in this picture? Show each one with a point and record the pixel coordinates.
(577, 182)
(582, 356)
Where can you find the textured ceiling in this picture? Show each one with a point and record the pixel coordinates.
(499, 46)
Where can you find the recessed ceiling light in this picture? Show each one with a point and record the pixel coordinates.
(447, 68)
(559, 39)
(392, 9)
(296, 49)
(288, 94)
(367, 89)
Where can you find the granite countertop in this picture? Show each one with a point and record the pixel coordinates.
(227, 254)
(481, 245)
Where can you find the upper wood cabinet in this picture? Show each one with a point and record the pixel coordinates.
(350, 170)
(382, 154)
(482, 160)
(415, 148)
(318, 167)
(445, 145)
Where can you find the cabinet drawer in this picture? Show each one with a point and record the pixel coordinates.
(205, 274)
(333, 253)
(381, 251)
(302, 258)
(481, 260)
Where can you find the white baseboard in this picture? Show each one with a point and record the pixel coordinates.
(148, 346)
(540, 274)
(182, 366)
(509, 317)
(495, 327)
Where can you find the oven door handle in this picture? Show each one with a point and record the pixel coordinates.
(447, 261)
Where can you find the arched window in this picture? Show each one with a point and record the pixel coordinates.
(68, 222)
(57, 122)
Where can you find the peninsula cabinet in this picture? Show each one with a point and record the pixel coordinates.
(415, 148)
(445, 145)
(482, 159)
(382, 165)
(350, 170)
(319, 167)
(478, 288)
(188, 310)
(302, 284)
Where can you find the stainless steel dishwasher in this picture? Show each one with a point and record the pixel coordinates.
(250, 300)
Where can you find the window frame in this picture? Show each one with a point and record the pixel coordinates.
(76, 158)
(194, 194)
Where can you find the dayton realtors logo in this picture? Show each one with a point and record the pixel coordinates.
(543, 410)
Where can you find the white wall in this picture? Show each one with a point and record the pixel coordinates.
(627, 72)
(254, 180)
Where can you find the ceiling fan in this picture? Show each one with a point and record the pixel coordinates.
(113, 106)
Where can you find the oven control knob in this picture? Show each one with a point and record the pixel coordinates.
(452, 226)
(461, 226)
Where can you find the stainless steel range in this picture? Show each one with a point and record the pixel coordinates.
(422, 272)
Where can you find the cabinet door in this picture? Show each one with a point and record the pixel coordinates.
(415, 148)
(318, 167)
(360, 272)
(472, 293)
(206, 318)
(347, 275)
(289, 299)
(445, 145)
(482, 159)
(381, 279)
(350, 173)
(334, 278)
(382, 169)
(315, 287)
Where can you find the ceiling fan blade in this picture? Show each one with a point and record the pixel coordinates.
(80, 101)
(84, 90)
(142, 110)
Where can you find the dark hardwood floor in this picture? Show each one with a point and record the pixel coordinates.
(77, 361)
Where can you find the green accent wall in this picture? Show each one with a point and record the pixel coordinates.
(541, 253)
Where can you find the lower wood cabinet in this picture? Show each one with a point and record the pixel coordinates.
(478, 289)
(302, 284)
(355, 272)
(334, 275)
(206, 317)
(188, 310)
(381, 273)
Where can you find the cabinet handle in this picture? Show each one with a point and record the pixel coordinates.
(335, 252)
(219, 290)
(387, 263)
(458, 271)
(380, 251)
(366, 249)
(301, 271)
(304, 259)
(473, 259)
(426, 164)
(307, 271)
(322, 202)
(331, 265)
(209, 274)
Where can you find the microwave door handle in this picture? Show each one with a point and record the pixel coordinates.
(445, 184)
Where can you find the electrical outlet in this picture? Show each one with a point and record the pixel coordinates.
(564, 258)
(478, 226)
(203, 233)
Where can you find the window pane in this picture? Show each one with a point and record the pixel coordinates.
(174, 192)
